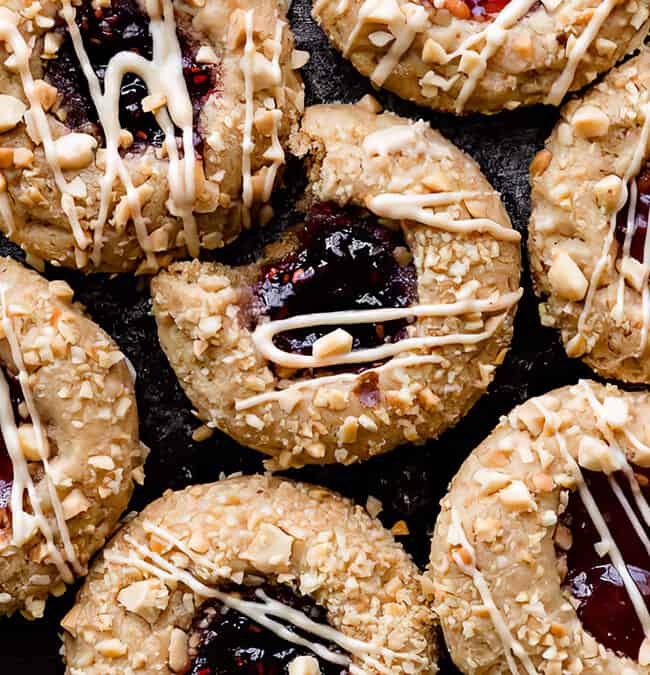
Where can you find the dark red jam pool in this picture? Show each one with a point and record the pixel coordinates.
(605, 608)
(225, 642)
(641, 217)
(346, 260)
(6, 469)
(106, 32)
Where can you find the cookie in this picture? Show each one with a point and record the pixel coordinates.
(587, 243)
(136, 131)
(540, 557)
(69, 449)
(378, 321)
(483, 55)
(218, 578)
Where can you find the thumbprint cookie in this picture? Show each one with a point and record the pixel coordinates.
(252, 575)
(588, 248)
(540, 561)
(69, 449)
(379, 320)
(483, 55)
(135, 131)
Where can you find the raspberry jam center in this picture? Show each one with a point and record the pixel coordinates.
(224, 642)
(605, 608)
(346, 261)
(106, 31)
(642, 211)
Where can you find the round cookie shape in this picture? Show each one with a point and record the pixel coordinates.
(540, 556)
(587, 228)
(483, 56)
(318, 355)
(241, 543)
(69, 449)
(133, 132)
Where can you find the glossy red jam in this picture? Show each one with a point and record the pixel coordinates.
(605, 608)
(346, 260)
(641, 217)
(224, 642)
(105, 32)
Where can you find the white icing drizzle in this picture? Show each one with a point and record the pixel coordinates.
(632, 170)
(283, 394)
(275, 152)
(630, 223)
(248, 143)
(628, 471)
(163, 76)
(606, 536)
(408, 22)
(21, 521)
(415, 207)
(109, 118)
(415, 20)
(629, 512)
(645, 297)
(636, 442)
(494, 36)
(561, 85)
(197, 558)
(10, 34)
(168, 62)
(264, 333)
(511, 646)
(259, 612)
(166, 78)
(597, 518)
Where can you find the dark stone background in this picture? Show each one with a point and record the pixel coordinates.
(411, 480)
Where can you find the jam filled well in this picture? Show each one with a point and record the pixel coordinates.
(345, 261)
(642, 212)
(106, 31)
(605, 609)
(224, 642)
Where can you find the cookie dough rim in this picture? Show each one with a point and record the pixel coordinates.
(276, 542)
(167, 291)
(587, 318)
(82, 354)
(517, 496)
(400, 51)
(244, 69)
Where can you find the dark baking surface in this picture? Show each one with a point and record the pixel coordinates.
(411, 480)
